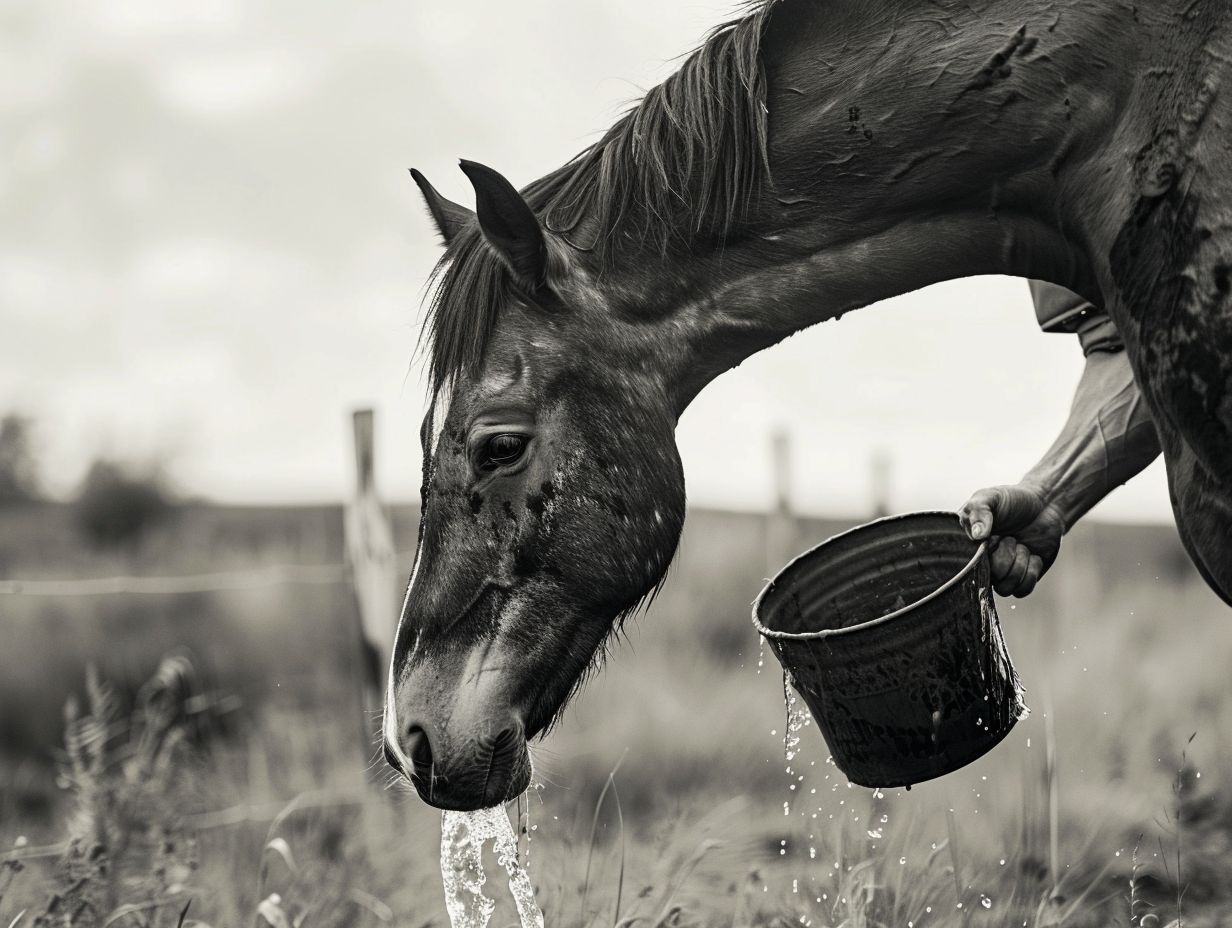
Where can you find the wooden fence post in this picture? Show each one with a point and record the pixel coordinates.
(781, 530)
(371, 558)
(880, 467)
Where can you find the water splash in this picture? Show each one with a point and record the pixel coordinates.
(797, 718)
(463, 835)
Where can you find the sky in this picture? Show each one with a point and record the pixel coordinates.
(211, 252)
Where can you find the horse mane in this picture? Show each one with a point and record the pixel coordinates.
(688, 158)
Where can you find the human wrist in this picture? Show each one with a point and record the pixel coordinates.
(1055, 496)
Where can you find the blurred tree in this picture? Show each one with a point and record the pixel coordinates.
(19, 478)
(116, 505)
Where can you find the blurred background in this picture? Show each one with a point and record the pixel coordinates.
(211, 253)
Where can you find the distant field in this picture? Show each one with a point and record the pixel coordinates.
(1122, 648)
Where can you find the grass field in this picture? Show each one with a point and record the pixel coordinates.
(266, 786)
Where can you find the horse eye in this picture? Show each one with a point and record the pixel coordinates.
(502, 450)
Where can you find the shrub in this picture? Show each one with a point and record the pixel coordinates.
(116, 506)
(19, 479)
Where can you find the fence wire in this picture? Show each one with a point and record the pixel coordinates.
(273, 575)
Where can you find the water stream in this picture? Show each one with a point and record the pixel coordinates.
(463, 836)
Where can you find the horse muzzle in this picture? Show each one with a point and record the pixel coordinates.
(456, 735)
(463, 775)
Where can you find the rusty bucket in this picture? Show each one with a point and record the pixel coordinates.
(890, 634)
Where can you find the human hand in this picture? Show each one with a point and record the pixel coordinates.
(1023, 531)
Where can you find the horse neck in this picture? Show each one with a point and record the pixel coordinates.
(906, 148)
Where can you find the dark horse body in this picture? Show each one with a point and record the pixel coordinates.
(807, 160)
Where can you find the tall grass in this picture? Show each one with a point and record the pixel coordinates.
(135, 851)
(269, 806)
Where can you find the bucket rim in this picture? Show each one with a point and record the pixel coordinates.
(871, 623)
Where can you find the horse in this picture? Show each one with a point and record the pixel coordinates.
(806, 160)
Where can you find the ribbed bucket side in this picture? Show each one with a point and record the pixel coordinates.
(907, 677)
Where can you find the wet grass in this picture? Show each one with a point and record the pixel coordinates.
(1098, 807)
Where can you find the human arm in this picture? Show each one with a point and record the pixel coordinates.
(1108, 438)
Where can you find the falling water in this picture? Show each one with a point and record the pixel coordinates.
(463, 835)
(797, 718)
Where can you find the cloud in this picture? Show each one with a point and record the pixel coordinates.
(236, 83)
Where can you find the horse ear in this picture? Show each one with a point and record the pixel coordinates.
(508, 223)
(449, 217)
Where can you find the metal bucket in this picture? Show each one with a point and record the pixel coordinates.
(890, 634)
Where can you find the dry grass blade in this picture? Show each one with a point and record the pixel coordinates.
(695, 858)
(1054, 805)
(275, 812)
(620, 880)
(280, 847)
(1137, 905)
(594, 828)
(956, 865)
(270, 909)
(18, 918)
(1073, 908)
(33, 853)
(136, 908)
(1178, 789)
(372, 904)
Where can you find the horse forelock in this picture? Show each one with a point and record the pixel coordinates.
(689, 158)
(469, 290)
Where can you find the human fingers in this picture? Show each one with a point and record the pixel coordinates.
(978, 514)
(1001, 558)
(1035, 570)
(1016, 573)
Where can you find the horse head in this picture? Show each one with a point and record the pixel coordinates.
(552, 500)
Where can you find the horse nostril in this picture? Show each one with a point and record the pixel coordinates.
(418, 749)
(392, 758)
(505, 740)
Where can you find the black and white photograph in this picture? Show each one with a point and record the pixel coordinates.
(724, 464)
